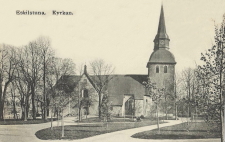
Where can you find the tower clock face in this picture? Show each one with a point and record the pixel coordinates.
(161, 42)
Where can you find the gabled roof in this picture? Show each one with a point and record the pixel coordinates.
(126, 84)
(117, 87)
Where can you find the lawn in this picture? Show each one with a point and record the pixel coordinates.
(21, 122)
(89, 129)
(197, 130)
(114, 119)
(122, 119)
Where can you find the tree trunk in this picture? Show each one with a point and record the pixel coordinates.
(222, 109)
(99, 106)
(57, 116)
(25, 112)
(44, 92)
(62, 123)
(196, 112)
(13, 100)
(189, 98)
(222, 124)
(79, 114)
(2, 101)
(42, 111)
(176, 117)
(33, 103)
(79, 102)
(51, 118)
(27, 106)
(157, 112)
(14, 109)
(166, 108)
(55, 112)
(48, 103)
(1, 110)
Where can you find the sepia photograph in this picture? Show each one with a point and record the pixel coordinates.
(112, 70)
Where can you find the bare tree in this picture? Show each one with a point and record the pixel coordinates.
(47, 54)
(13, 98)
(169, 97)
(56, 70)
(34, 62)
(7, 73)
(177, 93)
(102, 74)
(23, 81)
(34, 70)
(30, 74)
(188, 82)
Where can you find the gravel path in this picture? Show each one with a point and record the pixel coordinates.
(26, 133)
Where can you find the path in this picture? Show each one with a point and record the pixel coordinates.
(26, 133)
(125, 135)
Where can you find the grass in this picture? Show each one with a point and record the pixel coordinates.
(89, 129)
(197, 130)
(114, 119)
(122, 119)
(21, 122)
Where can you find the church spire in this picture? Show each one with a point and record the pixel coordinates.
(162, 27)
(161, 39)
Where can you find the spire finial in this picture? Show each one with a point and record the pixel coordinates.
(85, 69)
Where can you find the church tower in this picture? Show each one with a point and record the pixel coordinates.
(161, 64)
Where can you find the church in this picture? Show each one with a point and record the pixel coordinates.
(127, 94)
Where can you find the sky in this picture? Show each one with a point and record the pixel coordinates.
(119, 31)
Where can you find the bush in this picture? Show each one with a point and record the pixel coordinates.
(137, 119)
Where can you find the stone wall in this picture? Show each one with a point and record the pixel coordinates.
(116, 111)
(138, 108)
(162, 79)
(93, 95)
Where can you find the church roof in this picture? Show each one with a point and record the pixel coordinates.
(162, 56)
(117, 87)
(126, 84)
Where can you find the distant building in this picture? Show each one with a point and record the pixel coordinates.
(126, 92)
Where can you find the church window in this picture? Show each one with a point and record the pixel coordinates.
(165, 69)
(157, 69)
(85, 93)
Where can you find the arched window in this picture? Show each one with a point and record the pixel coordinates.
(157, 69)
(165, 69)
